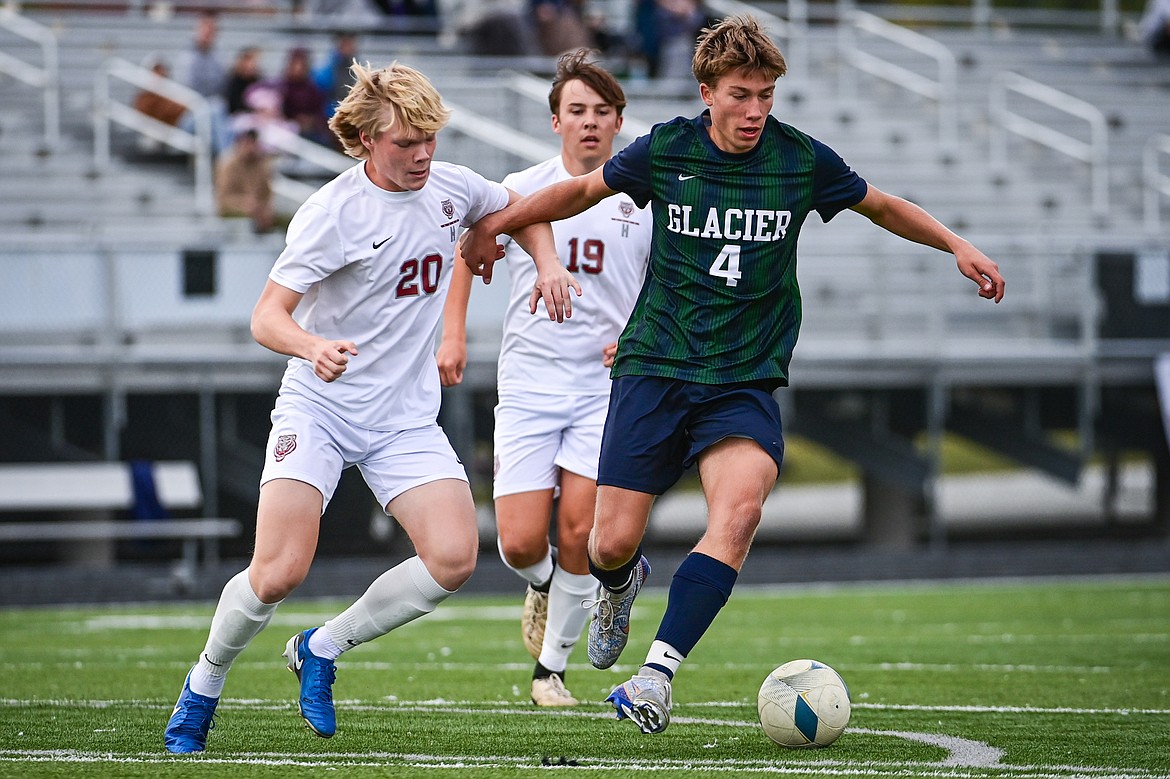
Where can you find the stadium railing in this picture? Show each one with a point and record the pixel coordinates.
(941, 89)
(1157, 183)
(196, 142)
(1005, 119)
(47, 77)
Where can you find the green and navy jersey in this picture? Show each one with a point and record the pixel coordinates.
(720, 303)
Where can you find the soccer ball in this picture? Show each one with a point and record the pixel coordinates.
(803, 704)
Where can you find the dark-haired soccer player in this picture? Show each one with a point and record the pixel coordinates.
(711, 335)
(553, 382)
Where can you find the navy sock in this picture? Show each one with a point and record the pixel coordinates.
(700, 587)
(618, 578)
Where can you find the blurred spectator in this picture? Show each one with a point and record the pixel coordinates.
(202, 70)
(155, 105)
(407, 7)
(415, 15)
(497, 28)
(244, 73)
(333, 76)
(301, 101)
(560, 26)
(666, 32)
(264, 115)
(243, 182)
(1155, 27)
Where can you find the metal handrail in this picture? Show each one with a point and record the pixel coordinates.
(47, 77)
(197, 143)
(1156, 183)
(500, 135)
(1095, 153)
(981, 13)
(942, 89)
(793, 30)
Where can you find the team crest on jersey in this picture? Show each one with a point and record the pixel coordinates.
(448, 209)
(285, 444)
(626, 207)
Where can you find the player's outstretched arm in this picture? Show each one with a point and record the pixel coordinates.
(554, 202)
(273, 327)
(452, 354)
(912, 222)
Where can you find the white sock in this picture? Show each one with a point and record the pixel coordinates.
(322, 645)
(404, 593)
(566, 618)
(537, 573)
(663, 654)
(239, 616)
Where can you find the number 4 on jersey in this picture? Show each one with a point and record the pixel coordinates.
(726, 265)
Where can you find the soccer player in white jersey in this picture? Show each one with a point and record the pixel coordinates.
(355, 299)
(553, 380)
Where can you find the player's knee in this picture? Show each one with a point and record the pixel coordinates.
(521, 551)
(452, 565)
(609, 551)
(742, 519)
(275, 583)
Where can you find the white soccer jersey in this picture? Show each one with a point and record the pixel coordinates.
(374, 267)
(606, 249)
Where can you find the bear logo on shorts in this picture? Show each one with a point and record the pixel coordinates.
(285, 445)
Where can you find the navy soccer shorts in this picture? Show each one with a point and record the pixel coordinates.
(657, 427)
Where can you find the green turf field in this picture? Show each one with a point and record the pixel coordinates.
(1041, 680)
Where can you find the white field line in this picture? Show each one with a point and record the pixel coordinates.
(70, 658)
(828, 767)
(525, 707)
(966, 759)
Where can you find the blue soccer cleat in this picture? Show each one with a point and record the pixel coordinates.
(609, 630)
(317, 675)
(645, 700)
(191, 721)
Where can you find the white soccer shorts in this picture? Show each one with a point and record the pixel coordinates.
(537, 434)
(311, 444)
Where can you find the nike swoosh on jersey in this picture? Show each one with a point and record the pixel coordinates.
(378, 244)
(681, 177)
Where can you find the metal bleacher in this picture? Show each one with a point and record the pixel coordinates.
(97, 258)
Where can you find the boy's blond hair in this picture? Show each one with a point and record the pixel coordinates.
(408, 94)
(736, 43)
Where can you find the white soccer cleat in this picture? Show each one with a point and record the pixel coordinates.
(534, 620)
(644, 699)
(550, 691)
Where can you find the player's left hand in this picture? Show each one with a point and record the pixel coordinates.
(480, 251)
(978, 267)
(608, 355)
(552, 286)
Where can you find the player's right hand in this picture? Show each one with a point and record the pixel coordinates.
(331, 358)
(452, 359)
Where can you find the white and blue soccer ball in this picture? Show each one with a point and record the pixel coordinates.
(803, 704)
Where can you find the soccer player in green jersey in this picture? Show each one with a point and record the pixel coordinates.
(711, 335)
